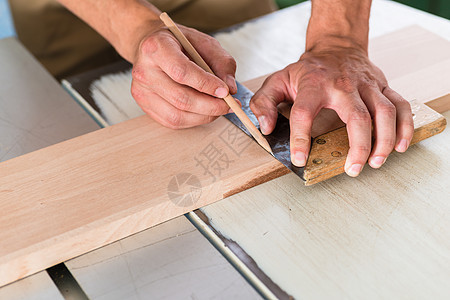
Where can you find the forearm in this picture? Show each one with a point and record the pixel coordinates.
(342, 23)
(124, 23)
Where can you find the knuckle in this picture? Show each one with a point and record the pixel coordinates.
(150, 45)
(218, 109)
(316, 78)
(386, 108)
(138, 73)
(182, 101)
(228, 62)
(363, 149)
(257, 103)
(403, 104)
(213, 109)
(208, 41)
(345, 83)
(204, 84)
(360, 114)
(301, 114)
(178, 72)
(174, 120)
(299, 140)
(387, 143)
(209, 119)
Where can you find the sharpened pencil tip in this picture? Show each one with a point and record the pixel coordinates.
(263, 142)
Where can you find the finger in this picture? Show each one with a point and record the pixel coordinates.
(186, 98)
(303, 112)
(354, 113)
(165, 113)
(170, 58)
(405, 123)
(222, 63)
(384, 118)
(224, 66)
(264, 102)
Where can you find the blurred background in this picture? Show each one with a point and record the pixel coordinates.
(437, 7)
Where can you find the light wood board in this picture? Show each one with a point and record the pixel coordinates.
(70, 198)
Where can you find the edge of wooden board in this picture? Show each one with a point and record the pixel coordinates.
(112, 183)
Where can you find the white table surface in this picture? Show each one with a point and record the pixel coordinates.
(35, 112)
(272, 221)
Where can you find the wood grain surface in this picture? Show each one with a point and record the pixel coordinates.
(70, 198)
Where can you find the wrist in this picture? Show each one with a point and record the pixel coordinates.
(142, 20)
(342, 24)
(129, 47)
(328, 42)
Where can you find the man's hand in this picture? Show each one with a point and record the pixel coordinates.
(335, 73)
(168, 86)
(342, 79)
(172, 89)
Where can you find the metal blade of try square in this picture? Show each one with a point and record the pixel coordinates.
(278, 139)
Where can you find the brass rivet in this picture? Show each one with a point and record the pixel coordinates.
(317, 161)
(336, 154)
(321, 141)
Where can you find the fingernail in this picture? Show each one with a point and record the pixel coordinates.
(377, 161)
(299, 159)
(402, 146)
(263, 124)
(354, 170)
(231, 82)
(221, 92)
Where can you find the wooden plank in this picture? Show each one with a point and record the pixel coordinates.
(87, 192)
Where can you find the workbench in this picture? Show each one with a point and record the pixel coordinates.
(382, 235)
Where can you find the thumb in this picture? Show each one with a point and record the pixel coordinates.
(264, 102)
